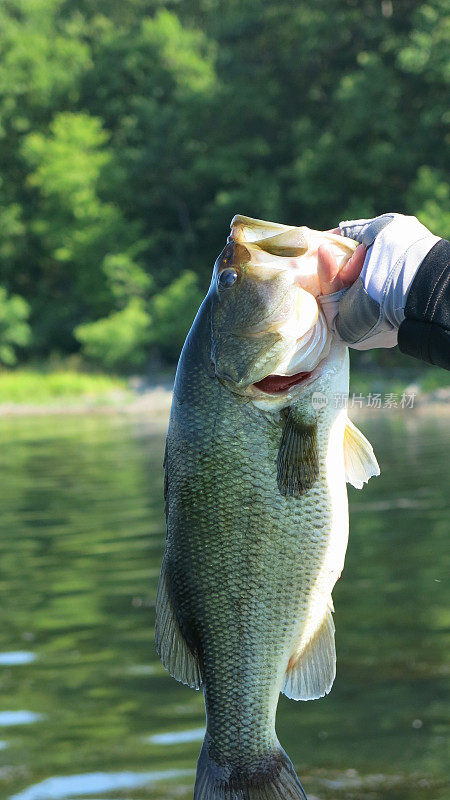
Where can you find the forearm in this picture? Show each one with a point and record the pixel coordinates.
(425, 331)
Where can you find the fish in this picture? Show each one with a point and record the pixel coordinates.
(257, 458)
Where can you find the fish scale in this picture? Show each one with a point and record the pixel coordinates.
(245, 594)
(239, 662)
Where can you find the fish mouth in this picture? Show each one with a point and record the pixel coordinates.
(276, 384)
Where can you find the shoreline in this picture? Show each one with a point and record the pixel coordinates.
(155, 401)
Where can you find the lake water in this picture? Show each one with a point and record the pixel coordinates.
(86, 710)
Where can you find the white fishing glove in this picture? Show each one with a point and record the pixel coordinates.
(370, 311)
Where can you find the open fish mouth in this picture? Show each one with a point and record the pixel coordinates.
(276, 384)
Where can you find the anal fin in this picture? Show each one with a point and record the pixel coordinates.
(311, 673)
(359, 459)
(175, 654)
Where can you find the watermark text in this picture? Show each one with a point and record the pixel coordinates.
(371, 400)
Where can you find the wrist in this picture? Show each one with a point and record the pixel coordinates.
(388, 276)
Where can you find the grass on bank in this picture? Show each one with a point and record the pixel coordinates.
(45, 385)
(39, 387)
(423, 381)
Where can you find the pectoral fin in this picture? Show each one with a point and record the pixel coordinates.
(310, 674)
(173, 650)
(359, 459)
(298, 459)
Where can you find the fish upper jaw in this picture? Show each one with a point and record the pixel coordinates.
(272, 245)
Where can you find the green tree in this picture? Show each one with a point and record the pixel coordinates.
(14, 329)
(42, 57)
(80, 234)
(156, 86)
(172, 312)
(429, 198)
(119, 340)
(130, 133)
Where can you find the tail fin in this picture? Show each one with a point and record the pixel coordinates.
(272, 778)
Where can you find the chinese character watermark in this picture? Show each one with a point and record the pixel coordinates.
(370, 400)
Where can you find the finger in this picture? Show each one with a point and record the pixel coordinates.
(352, 268)
(328, 271)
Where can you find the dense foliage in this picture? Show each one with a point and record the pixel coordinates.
(132, 130)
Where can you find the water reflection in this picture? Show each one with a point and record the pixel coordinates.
(81, 537)
(178, 738)
(72, 786)
(15, 658)
(11, 718)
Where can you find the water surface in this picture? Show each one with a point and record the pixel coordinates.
(86, 710)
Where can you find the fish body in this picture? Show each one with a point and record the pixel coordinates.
(257, 522)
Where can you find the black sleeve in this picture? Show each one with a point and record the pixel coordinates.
(425, 331)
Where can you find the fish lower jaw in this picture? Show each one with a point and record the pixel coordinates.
(278, 391)
(270, 394)
(277, 384)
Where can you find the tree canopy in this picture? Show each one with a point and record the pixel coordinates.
(132, 131)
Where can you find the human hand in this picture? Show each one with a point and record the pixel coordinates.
(380, 274)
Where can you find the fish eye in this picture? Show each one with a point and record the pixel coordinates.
(227, 277)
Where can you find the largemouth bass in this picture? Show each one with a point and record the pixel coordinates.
(257, 457)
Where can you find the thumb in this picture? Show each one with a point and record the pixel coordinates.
(331, 278)
(328, 271)
(352, 268)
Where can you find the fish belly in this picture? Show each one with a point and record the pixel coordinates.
(251, 571)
